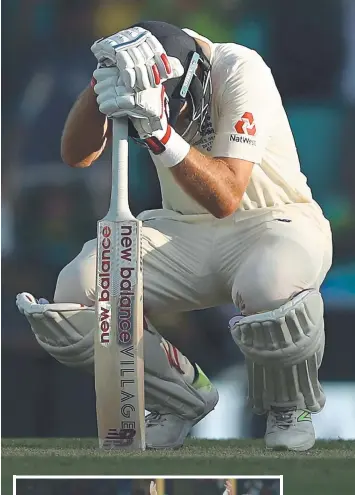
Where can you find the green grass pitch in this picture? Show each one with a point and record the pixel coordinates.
(329, 468)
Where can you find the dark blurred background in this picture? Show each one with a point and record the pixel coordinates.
(141, 487)
(49, 210)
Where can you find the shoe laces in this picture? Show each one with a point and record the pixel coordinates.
(283, 418)
(154, 418)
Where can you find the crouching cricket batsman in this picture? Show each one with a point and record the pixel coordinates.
(238, 223)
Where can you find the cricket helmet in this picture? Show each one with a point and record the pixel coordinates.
(193, 86)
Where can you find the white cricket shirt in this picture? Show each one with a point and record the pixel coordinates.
(246, 120)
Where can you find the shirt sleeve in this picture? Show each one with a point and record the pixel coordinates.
(245, 109)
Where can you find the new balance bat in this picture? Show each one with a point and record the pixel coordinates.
(119, 364)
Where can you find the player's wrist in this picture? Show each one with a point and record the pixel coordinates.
(171, 148)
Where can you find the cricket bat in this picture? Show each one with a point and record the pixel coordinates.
(119, 362)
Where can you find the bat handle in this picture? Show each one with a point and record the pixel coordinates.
(119, 205)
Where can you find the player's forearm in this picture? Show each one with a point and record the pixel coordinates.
(85, 132)
(210, 181)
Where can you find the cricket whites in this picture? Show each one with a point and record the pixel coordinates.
(119, 362)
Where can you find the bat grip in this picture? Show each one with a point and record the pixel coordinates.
(119, 205)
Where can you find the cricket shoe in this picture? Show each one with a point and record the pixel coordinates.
(289, 429)
(167, 431)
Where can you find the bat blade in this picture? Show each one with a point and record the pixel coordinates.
(119, 364)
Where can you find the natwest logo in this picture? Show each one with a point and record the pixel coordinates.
(246, 125)
(104, 284)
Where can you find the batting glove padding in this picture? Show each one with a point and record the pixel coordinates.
(140, 57)
(148, 111)
(154, 130)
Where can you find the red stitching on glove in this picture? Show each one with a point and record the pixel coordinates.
(166, 63)
(156, 75)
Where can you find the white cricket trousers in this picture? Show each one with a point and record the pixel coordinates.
(258, 261)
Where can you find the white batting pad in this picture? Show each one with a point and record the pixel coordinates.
(166, 388)
(64, 330)
(283, 350)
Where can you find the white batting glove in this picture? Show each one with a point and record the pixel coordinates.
(154, 129)
(141, 58)
(108, 86)
(148, 111)
(116, 101)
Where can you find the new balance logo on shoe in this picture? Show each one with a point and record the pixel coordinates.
(304, 416)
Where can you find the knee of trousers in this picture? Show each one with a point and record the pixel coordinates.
(257, 295)
(283, 350)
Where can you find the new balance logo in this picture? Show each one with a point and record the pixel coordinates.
(119, 438)
(246, 125)
(305, 416)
